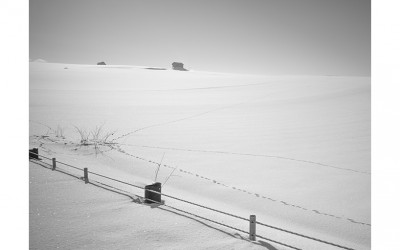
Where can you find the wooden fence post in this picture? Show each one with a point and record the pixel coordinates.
(85, 175)
(54, 164)
(150, 197)
(252, 233)
(34, 153)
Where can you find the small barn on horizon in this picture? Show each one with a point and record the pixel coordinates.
(178, 66)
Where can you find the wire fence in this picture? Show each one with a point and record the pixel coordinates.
(37, 155)
(257, 194)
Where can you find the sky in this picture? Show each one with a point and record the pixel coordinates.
(267, 37)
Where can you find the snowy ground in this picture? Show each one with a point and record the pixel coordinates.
(67, 214)
(294, 150)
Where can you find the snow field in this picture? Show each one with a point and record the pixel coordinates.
(294, 150)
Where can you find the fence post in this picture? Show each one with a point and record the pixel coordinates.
(54, 164)
(151, 197)
(85, 175)
(34, 153)
(252, 233)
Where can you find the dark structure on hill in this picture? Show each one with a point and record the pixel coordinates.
(101, 63)
(178, 66)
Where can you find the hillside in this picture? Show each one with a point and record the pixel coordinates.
(294, 150)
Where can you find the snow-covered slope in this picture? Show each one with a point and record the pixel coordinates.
(67, 214)
(294, 150)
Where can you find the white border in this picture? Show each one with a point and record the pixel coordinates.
(385, 125)
(14, 78)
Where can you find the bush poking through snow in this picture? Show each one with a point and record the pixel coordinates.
(95, 137)
(158, 168)
(107, 136)
(84, 136)
(96, 132)
(59, 132)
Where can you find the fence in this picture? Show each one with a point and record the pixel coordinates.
(34, 154)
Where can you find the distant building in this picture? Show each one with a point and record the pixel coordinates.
(101, 63)
(178, 66)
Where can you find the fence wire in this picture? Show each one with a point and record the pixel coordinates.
(221, 224)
